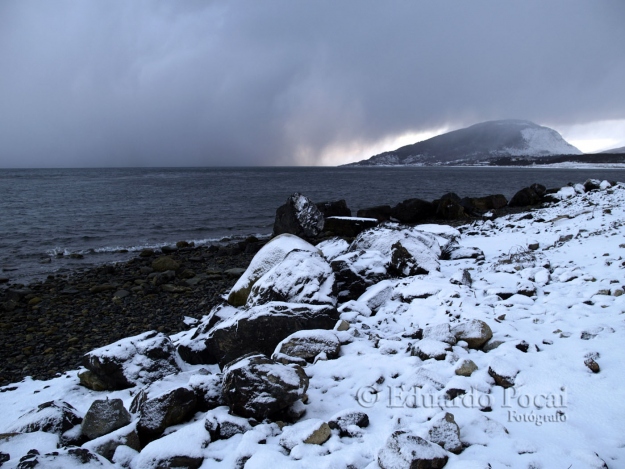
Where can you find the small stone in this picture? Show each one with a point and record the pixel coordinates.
(533, 246)
(466, 368)
(121, 294)
(592, 365)
(341, 325)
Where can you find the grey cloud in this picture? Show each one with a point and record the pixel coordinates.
(278, 82)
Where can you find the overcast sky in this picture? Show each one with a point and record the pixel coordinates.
(202, 83)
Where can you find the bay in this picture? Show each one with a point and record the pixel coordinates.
(51, 213)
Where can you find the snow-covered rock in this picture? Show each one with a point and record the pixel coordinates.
(407, 451)
(301, 277)
(308, 344)
(257, 387)
(135, 360)
(270, 255)
(298, 216)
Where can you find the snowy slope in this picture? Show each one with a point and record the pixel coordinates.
(550, 288)
(480, 142)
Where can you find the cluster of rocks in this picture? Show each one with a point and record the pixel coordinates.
(302, 217)
(281, 315)
(47, 326)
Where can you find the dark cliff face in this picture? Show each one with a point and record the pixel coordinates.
(479, 142)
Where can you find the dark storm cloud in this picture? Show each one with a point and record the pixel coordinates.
(99, 83)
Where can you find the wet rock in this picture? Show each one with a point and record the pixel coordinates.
(127, 362)
(298, 216)
(255, 386)
(158, 413)
(165, 263)
(407, 451)
(104, 416)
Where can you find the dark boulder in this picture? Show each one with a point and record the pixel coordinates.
(489, 202)
(449, 207)
(349, 227)
(298, 216)
(103, 417)
(413, 211)
(168, 409)
(334, 209)
(257, 387)
(259, 329)
(380, 212)
(528, 196)
(140, 359)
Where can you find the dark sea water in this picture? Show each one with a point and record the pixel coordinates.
(52, 213)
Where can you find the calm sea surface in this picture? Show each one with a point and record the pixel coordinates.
(51, 213)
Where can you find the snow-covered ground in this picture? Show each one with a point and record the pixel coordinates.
(550, 287)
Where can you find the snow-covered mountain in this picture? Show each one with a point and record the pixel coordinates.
(478, 143)
(614, 150)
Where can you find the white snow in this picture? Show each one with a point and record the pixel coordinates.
(558, 414)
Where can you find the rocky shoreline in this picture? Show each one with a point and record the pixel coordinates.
(46, 327)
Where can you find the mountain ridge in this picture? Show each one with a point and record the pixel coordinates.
(477, 144)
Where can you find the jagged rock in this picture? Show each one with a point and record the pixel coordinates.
(349, 227)
(402, 263)
(51, 417)
(163, 411)
(308, 344)
(301, 277)
(474, 332)
(165, 263)
(104, 416)
(269, 256)
(406, 451)
(503, 372)
(413, 211)
(140, 359)
(427, 348)
(259, 329)
(349, 423)
(356, 271)
(221, 425)
(466, 368)
(106, 445)
(337, 208)
(298, 216)
(311, 431)
(527, 196)
(444, 431)
(255, 386)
